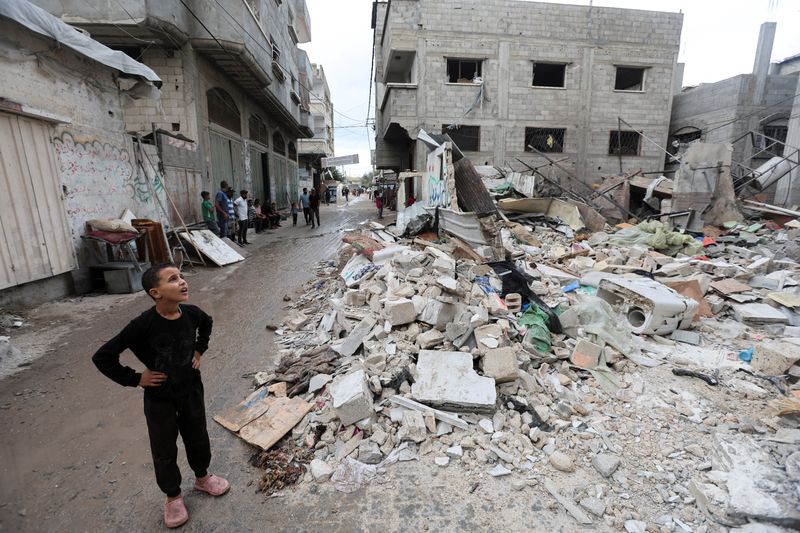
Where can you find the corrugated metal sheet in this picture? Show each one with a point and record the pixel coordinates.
(35, 242)
(227, 160)
(257, 175)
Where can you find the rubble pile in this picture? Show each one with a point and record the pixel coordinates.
(636, 378)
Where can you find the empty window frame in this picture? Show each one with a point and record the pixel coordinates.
(549, 74)
(463, 70)
(629, 79)
(467, 138)
(773, 140)
(276, 52)
(689, 136)
(545, 139)
(278, 144)
(624, 143)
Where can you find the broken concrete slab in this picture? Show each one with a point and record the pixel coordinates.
(319, 381)
(446, 379)
(689, 337)
(576, 512)
(757, 313)
(350, 345)
(501, 364)
(400, 312)
(413, 427)
(352, 399)
(296, 320)
(430, 338)
(320, 470)
(586, 354)
(448, 418)
(774, 358)
(438, 314)
(490, 336)
(606, 464)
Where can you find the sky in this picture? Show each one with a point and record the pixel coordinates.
(718, 41)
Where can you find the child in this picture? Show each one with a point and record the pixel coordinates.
(294, 212)
(169, 339)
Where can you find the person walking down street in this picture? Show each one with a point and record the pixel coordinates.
(232, 228)
(306, 206)
(379, 203)
(346, 194)
(221, 209)
(169, 339)
(293, 211)
(313, 203)
(242, 218)
(208, 213)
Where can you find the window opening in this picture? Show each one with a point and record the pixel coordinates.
(629, 79)
(549, 74)
(292, 151)
(624, 143)
(545, 139)
(463, 70)
(467, 138)
(278, 144)
(776, 133)
(258, 130)
(222, 110)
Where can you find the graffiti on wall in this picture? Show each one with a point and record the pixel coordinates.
(93, 168)
(436, 176)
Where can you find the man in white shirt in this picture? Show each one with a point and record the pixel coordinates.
(240, 205)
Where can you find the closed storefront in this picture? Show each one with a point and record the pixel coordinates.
(35, 241)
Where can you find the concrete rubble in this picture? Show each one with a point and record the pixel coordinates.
(635, 388)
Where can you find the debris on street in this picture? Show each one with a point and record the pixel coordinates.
(641, 377)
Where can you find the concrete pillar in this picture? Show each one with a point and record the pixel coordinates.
(787, 192)
(761, 64)
(677, 78)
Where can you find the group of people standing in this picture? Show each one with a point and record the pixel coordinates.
(231, 217)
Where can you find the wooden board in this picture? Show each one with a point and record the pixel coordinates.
(282, 416)
(691, 289)
(248, 410)
(212, 247)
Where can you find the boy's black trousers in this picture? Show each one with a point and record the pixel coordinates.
(166, 417)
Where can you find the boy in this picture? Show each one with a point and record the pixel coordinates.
(169, 339)
(294, 211)
(208, 213)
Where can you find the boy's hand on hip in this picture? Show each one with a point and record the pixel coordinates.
(196, 360)
(152, 379)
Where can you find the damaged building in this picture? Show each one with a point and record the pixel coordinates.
(508, 79)
(235, 83)
(321, 145)
(754, 112)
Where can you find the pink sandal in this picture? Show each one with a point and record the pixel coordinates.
(175, 514)
(213, 485)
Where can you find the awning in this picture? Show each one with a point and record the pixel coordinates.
(40, 21)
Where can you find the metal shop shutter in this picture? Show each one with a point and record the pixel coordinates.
(35, 241)
(227, 161)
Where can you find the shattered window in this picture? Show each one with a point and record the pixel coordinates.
(549, 74)
(773, 139)
(467, 138)
(545, 139)
(292, 151)
(685, 138)
(624, 143)
(276, 52)
(629, 79)
(463, 70)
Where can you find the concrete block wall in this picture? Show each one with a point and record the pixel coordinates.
(509, 36)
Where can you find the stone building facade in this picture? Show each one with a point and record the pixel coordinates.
(321, 145)
(500, 75)
(235, 83)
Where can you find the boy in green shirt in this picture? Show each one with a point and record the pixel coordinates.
(208, 212)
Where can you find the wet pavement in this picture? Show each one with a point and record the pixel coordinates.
(74, 444)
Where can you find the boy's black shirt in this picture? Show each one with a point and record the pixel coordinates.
(162, 346)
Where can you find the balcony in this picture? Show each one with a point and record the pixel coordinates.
(399, 109)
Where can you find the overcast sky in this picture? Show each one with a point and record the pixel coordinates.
(718, 41)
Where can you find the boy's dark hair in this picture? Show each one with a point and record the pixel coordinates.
(243, 192)
(223, 184)
(204, 194)
(150, 278)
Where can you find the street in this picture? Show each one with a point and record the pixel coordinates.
(75, 444)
